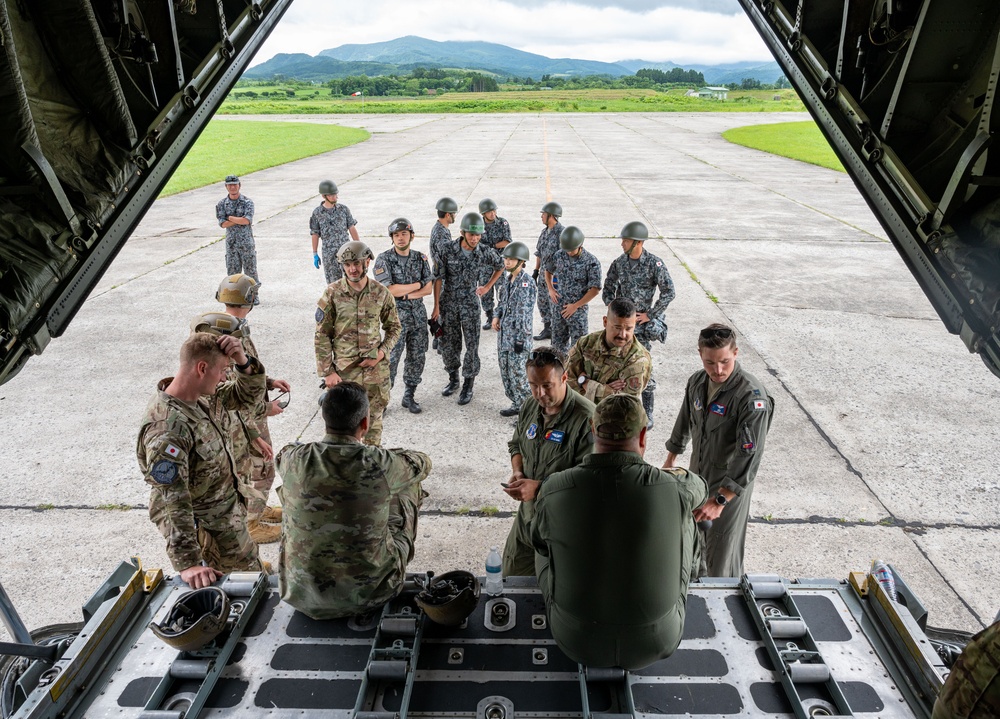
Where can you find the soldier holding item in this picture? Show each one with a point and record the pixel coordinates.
(350, 513)
(548, 245)
(235, 213)
(610, 361)
(515, 306)
(334, 223)
(446, 209)
(406, 273)
(573, 277)
(637, 274)
(458, 271)
(552, 433)
(726, 413)
(187, 458)
(496, 236)
(351, 315)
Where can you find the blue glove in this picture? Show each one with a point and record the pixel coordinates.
(316, 262)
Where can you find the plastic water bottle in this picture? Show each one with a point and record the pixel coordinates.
(494, 573)
(883, 575)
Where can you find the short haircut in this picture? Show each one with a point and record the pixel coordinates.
(716, 336)
(546, 356)
(621, 307)
(200, 347)
(442, 213)
(345, 405)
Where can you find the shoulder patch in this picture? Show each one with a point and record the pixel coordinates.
(319, 315)
(532, 431)
(171, 450)
(634, 382)
(379, 269)
(758, 405)
(659, 263)
(676, 471)
(164, 472)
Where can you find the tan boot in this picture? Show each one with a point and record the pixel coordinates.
(271, 515)
(263, 533)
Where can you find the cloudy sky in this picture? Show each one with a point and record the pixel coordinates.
(685, 31)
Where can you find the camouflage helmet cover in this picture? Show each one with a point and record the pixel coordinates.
(635, 231)
(487, 205)
(354, 252)
(571, 238)
(195, 619)
(473, 222)
(399, 225)
(219, 323)
(552, 208)
(237, 290)
(446, 204)
(232, 180)
(328, 187)
(517, 251)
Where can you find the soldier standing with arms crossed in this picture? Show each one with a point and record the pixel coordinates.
(610, 361)
(573, 276)
(350, 318)
(407, 275)
(496, 236)
(335, 224)
(548, 245)
(637, 274)
(515, 306)
(235, 213)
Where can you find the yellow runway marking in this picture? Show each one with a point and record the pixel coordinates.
(545, 147)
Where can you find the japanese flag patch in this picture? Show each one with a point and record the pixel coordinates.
(172, 450)
(759, 405)
(659, 264)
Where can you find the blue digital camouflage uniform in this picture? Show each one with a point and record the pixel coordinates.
(332, 224)
(391, 268)
(548, 245)
(496, 232)
(515, 309)
(440, 236)
(460, 273)
(572, 277)
(241, 253)
(638, 280)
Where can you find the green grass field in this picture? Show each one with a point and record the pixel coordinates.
(238, 147)
(797, 140)
(319, 101)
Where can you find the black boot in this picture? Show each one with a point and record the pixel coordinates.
(511, 411)
(449, 390)
(488, 325)
(409, 401)
(647, 404)
(545, 334)
(466, 395)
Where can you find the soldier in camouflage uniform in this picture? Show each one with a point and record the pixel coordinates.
(548, 245)
(496, 236)
(573, 276)
(407, 275)
(515, 306)
(637, 274)
(350, 514)
(972, 690)
(458, 271)
(351, 316)
(235, 213)
(185, 453)
(335, 224)
(447, 209)
(611, 361)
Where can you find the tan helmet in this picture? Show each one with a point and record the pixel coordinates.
(196, 619)
(450, 598)
(237, 290)
(354, 251)
(219, 323)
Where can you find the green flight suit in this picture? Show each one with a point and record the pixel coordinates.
(615, 543)
(545, 448)
(727, 442)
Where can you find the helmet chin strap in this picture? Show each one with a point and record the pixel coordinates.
(512, 271)
(631, 247)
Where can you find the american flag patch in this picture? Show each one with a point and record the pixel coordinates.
(172, 450)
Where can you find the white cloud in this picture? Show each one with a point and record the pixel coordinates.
(655, 30)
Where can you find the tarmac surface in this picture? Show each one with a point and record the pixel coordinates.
(885, 432)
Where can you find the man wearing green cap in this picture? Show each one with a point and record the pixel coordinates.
(615, 545)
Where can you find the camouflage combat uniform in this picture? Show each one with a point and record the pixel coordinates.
(548, 245)
(349, 327)
(332, 225)
(350, 523)
(727, 431)
(186, 455)
(515, 310)
(601, 363)
(972, 690)
(496, 232)
(260, 471)
(460, 273)
(440, 237)
(241, 253)
(638, 281)
(572, 277)
(391, 268)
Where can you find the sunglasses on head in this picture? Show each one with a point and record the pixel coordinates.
(711, 333)
(545, 356)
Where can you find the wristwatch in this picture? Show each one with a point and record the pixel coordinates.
(721, 499)
(582, 379)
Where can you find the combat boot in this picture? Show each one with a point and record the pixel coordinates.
(466, 395)
(545, 334)
(263, 533)
(647, 404)
(409, 401)
(511, 411)
(449, 390)
(271, 515)
(488, 325)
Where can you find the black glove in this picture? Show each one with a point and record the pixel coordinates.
(518, 346)
(534, 275)
(436, 328)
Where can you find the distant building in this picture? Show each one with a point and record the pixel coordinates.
(691, 93)
(714, 93)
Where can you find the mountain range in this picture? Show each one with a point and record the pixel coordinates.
(405, 53)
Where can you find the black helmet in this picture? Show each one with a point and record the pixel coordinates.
(635, 231)
(399, 225)
(450, 598)
(571, 238)
(446, 204)
(328, 187)
(354, 251)
(517, 251)
(552, 208)
(473, 222)
(487, 205)
(196, 618)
